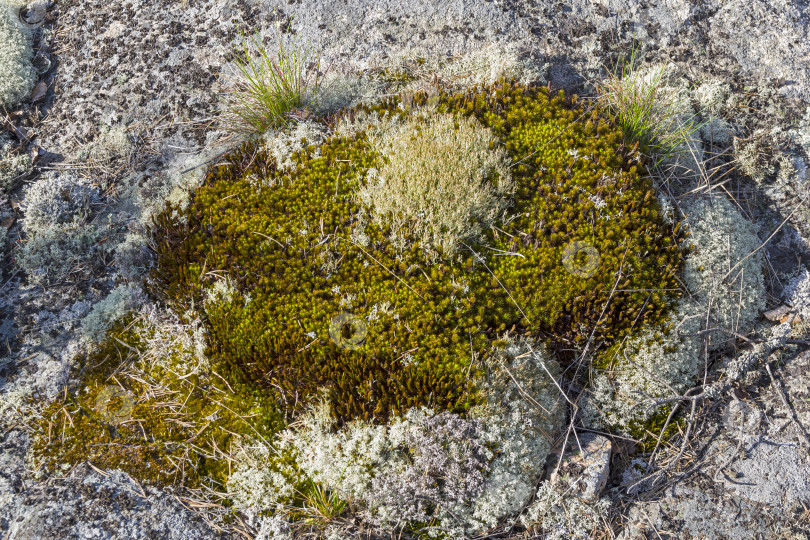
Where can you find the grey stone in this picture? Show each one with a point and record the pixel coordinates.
(87, 505)
(586, 466)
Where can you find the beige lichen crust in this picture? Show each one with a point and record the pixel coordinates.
(443, 181)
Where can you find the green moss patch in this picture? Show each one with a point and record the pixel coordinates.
(302, 257)
(301, 292)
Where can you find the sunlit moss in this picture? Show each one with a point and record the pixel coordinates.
(178, 429)
(301, 255)
(649, 432)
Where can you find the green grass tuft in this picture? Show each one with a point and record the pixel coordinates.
(647, 111)
(268, 87)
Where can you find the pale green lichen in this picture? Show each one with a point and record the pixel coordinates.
(184, 174)
(523, 412)
(111, 148)
(723, 275)
(60, 239)
(17, 75)
(410, 72)
(712, 96)
(473, 68)
(253, 485)
(113, 307)
(57, 199)
(754, 157)
(132, 256)
(634, 371)
(718, 131)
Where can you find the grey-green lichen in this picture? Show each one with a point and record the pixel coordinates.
(60, 236)
(560, 516)
(12, 169)
(723, 274)
(120, 301)
(724, 270)
(17, 75)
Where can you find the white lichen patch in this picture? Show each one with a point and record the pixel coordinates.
(753, 157)
(482, 66)
(718, 131)
(253, 485)
(284, 143)
(56, 251)
(523, 413)
(797, 294)
(465, 473)
(712, 96)
(56, 198)
(59, 238)
(111, 148)
(373, 123)
(174, 185)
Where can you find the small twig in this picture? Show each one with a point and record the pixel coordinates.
(799, 205)
(269, 238)
(790, 409)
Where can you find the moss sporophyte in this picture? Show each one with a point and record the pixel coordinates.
(386, 294)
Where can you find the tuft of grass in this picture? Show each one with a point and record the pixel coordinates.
(647, 111)
(323, 505)
(319, 506)
(268, 87)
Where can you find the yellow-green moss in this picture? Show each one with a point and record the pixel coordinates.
(300, 257)
(648, 432)
(178, 432)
